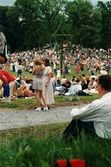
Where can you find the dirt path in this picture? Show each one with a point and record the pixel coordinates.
(55, 105)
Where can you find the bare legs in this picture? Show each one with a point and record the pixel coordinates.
(37, 97)
(39, 94)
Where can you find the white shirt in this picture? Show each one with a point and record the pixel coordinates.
(63, 80)
(99, 112)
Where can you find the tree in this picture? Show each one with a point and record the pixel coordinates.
(32, 21)
(3, 18)
(86, 23)
(105, 9)
(25, 22)
(50, 11)
(4, 23)
(32, 24)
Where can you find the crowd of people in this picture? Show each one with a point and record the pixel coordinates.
(94, 59)
(96, 62)
(39, 86)
(45, 67)
(94, 118)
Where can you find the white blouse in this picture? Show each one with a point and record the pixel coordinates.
(99, 112)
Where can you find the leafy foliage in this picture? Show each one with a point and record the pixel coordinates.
(86, 23)
(105, 9)
(32, 24)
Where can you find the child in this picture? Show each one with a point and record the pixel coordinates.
(58, 73)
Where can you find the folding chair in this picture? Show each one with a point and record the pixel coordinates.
(73, 91)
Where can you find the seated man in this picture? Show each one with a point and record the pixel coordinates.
(94, 118)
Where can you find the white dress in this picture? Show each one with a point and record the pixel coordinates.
(48, 91)
(58, 73)
(38, 80)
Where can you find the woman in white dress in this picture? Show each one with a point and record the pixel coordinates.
(48, 90)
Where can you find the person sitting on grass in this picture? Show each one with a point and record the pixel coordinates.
(22, 91)
(59, 88)
(7, 80)
(94, 118)
(67, 85)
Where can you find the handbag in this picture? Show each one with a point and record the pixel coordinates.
(6, 90)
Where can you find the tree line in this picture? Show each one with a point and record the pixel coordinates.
(29, 24)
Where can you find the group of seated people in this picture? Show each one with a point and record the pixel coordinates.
(88, 84)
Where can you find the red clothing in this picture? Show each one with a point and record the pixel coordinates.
(77, 68)
(9, 76)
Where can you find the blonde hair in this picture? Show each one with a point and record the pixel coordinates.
(39, 65)
(38, 61)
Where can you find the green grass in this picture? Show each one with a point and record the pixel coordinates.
(43, 152)
(19, 104)
(22, 103)
(29, 75)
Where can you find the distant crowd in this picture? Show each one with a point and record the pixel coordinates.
(96, 61)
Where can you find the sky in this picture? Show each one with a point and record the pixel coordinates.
(10, 2)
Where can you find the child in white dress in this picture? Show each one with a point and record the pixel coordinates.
(58, 73)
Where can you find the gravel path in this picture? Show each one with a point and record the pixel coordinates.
(15, 119)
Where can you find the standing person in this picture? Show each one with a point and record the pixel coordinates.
(81, 66)
(3, 48)
(58, 73)
(19, 69)
(38, 83)
(55, 67)
(77, 68)
(53, 81)
(48, 90)
(16, 66)
(108, 67)
(94, 118)
(7, 79)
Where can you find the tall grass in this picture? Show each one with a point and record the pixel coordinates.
(43, 152)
